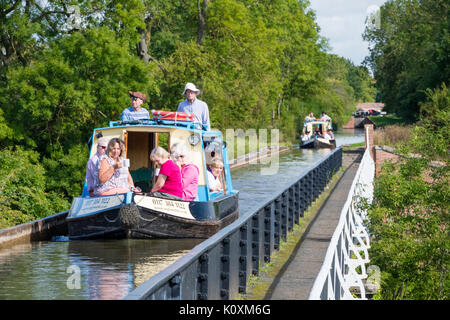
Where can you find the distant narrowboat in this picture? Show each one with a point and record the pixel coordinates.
(313, 135)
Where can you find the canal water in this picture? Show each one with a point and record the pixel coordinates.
(92, 270)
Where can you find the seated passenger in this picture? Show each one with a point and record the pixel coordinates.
(214, 171)
(113, 175)
(305, 136)
(168, 184)
(329, 135)
(189, 171)
(93, 165)
(318, 134)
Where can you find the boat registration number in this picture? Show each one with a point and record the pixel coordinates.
(173, 207)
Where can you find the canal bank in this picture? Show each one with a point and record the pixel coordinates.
(292, 270)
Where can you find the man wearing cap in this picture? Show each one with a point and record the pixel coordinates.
(192, 104)
(93, 163)
(136, 111)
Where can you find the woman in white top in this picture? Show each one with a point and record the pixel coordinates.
(113, 176)
(215, 169)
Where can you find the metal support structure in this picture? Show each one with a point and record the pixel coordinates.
(220, 267)
(345, 262)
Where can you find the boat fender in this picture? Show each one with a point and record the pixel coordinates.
(129, 216)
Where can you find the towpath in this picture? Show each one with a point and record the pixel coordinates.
(295, 278)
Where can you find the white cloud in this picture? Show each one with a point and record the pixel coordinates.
(343, 23)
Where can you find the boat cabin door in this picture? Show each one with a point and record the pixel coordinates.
(138, 147)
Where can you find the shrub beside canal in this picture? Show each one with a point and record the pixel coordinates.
(409, 219)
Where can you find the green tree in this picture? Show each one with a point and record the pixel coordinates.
(259, 64)
(22, 189)
(79, 83)
(409, 52)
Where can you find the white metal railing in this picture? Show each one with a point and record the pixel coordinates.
(344, 267)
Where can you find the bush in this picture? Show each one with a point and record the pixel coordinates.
(409, 218)
(22, 195)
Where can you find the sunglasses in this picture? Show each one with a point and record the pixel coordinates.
(103, 147)
(134, 98)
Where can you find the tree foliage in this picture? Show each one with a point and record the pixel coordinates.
(66, 68)
(410, 52)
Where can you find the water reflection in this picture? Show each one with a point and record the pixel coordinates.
(111, 269)
(349, 136)
(108, 269)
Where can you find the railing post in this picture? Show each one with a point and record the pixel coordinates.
(284, 216)
(202, 279)
(257, 241)
(303, 196)
(310, 183)
(225, 269)
(269, 229)
(244, 257)
(291, 207)
(175, 288)
(296, 196)
(277, 223)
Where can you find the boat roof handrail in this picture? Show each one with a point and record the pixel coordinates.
(158, 122)
(317, 121)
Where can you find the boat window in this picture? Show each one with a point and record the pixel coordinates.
(163, 141)
(213, 149)
(139, 145)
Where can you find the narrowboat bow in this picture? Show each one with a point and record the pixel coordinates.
(141, 215)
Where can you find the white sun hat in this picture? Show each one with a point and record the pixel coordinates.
(191, 87)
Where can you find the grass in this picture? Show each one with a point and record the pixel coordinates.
(387, 120)
(353, 145)
(391, 135)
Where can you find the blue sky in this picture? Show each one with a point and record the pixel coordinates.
(342, 22)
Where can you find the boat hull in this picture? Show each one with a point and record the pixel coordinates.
(324, 143)
(137, 221)
(318, 143)
(102, 225)
(307, 143)
(207, 219)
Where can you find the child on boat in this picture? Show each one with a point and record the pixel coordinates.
(215, 169)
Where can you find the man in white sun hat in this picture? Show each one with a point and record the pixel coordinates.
(192, 104)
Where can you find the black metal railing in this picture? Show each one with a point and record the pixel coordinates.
(219, 267)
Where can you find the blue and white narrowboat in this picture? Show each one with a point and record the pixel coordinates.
(141, 215)
(313, 134)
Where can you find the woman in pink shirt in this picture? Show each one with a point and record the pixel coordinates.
(168, 184)
(189, 171)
